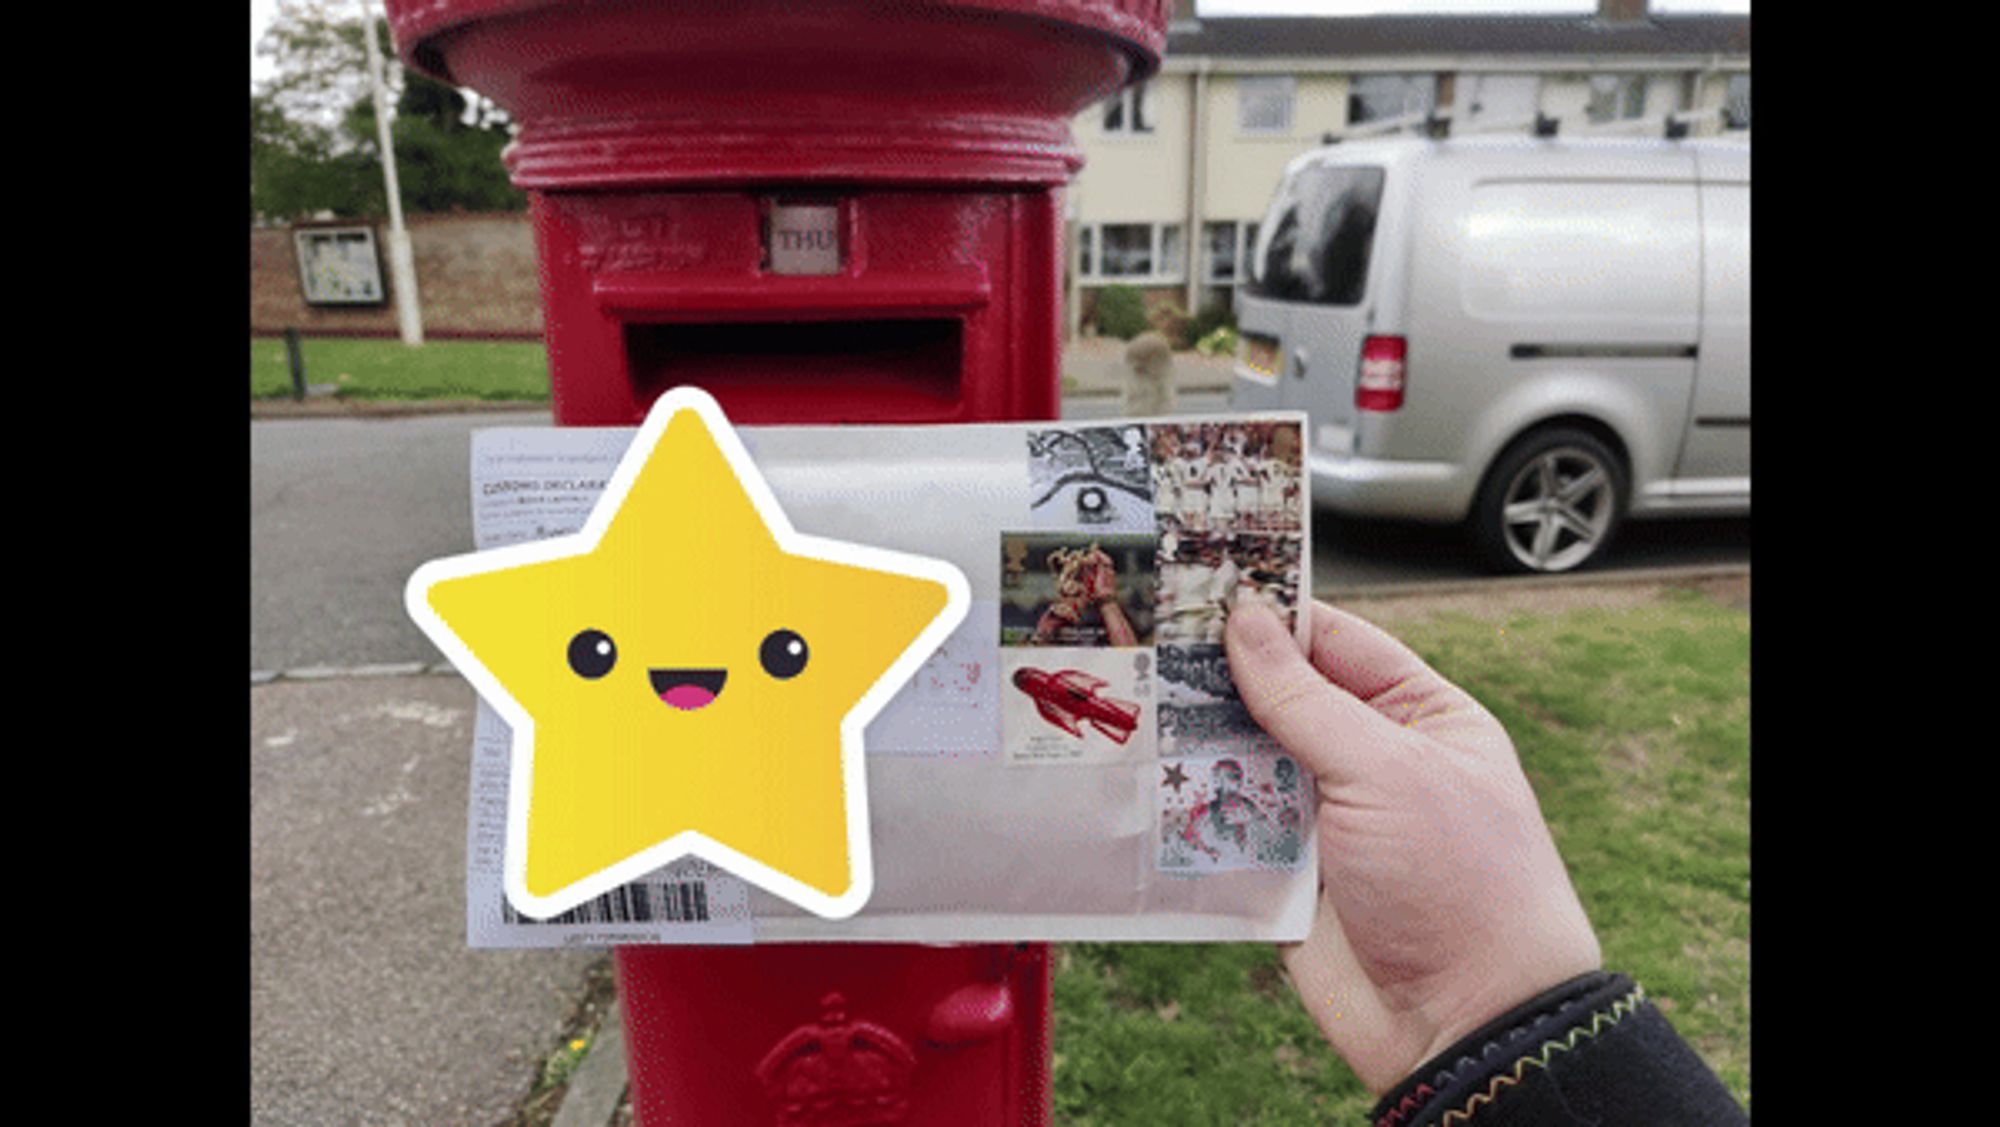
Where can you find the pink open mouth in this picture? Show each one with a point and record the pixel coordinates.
(688, 689)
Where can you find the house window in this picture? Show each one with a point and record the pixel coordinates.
(1227, 246)
(1264, 105)
(1500, 100)
(1130, 111)
(1173, 254)
(1736, 103)
(1128, 250)
(1149, 251)
(1616, 97)
(1382, 97)
(1222, 256)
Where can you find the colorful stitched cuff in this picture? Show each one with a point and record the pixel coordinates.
(1465, 1072)
(1590, 1053)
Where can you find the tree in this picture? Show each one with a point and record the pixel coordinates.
(314, 146)
(295, 171)
(320, 65)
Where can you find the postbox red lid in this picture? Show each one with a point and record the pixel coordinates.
(419, 26)
(623, 93)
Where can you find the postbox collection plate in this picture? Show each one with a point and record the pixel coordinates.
(803, 238)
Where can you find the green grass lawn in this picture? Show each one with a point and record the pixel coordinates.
(389, 369)
(1634, 726)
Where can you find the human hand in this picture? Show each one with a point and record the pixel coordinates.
(1100, 580)
(1443, 902)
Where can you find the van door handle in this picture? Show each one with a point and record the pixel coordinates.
(1299, 358)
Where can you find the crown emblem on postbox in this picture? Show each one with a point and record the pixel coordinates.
(837, 1072)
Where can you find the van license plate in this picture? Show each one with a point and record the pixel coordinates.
(1257, 358)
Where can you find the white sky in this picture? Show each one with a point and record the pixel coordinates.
(261, 11)
(260, 18)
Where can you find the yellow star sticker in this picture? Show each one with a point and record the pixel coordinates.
(687, 675)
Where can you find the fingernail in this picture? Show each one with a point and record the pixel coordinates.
(1254, 621)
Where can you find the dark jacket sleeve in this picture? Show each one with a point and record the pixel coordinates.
(1594, 1051)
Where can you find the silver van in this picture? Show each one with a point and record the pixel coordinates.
(1536, 337)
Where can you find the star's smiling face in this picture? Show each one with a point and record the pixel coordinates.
(719, 636)
(782, 655)
(688, 689)
(687, 673)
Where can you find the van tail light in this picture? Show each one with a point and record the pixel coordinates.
(1380, 386)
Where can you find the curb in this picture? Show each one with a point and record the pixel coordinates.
(1658, 576)
(598, 1084)
(1118, 392)
(344, 672)
(329, 408)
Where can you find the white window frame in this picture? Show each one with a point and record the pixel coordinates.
(1410, 79)
(1470, 111)
(1136, 104)
(1728, 106)
(1270, 83)
(1243, 240)
(1092, 234)
(1622, 86)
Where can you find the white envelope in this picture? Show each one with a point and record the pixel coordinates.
(1003, 807)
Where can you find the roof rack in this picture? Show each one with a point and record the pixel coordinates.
(1439, 124)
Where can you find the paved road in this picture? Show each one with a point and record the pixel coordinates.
(342, 510)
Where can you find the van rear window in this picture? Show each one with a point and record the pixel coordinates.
(1317, 237)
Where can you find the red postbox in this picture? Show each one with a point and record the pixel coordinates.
(818, 211)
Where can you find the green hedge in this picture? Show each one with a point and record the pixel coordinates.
(1121, 312)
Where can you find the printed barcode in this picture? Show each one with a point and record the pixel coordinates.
(674, 902)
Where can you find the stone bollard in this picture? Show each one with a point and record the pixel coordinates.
(1149, 377)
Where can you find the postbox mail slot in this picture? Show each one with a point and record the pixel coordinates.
(878, 294)
(871, 370)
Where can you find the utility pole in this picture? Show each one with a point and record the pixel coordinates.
(402, 265)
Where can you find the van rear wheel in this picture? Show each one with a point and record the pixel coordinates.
(1551, 502)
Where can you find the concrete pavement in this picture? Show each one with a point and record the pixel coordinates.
(366, 1005)
(1095, 366)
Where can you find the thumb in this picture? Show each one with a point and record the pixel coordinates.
(1327, 728)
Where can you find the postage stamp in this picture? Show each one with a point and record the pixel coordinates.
(1202, 575)
(1075, 589)
(1218, 813)
(1078, 705)
(1223, 477)
(1091, 479)
(1200, 711)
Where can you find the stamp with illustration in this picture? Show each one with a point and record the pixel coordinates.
(1221, 813)
(1078, 705)
(1090, 479)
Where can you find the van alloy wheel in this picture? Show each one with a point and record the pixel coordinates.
(1558, 508)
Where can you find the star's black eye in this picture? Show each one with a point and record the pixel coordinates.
(592, 654)
(783, 654)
